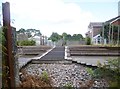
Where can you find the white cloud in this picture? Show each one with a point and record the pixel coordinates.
(50, 16)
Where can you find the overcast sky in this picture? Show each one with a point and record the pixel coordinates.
(70, 16)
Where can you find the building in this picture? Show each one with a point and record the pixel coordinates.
(97, 39)
(114, 21)
(112, 35)
(94, 30)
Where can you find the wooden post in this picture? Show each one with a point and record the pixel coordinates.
(118, 34)
(8, 44)
(112, 34)
(109, 34)
(43, 40)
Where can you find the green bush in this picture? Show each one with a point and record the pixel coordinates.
(110, 71)
(26, 43)
(88, 41)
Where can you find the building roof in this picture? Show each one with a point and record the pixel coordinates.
(113, 19)
(95, 24)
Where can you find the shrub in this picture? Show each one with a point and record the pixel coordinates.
(110, 71)
(88, 41)
(26, 43)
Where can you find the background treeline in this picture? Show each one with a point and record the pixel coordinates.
(29, 32)
(55, 37)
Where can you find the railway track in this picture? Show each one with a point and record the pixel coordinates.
(85, 55)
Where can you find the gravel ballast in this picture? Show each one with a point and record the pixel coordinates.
(61, 75)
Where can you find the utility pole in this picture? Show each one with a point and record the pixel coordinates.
(9, 62)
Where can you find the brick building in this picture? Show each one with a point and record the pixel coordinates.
(113, 22)
(94, 30)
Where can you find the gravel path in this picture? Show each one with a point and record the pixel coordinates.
(63, 74)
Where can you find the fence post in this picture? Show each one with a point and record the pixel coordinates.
(9, 62)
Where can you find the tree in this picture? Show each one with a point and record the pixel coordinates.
(38, 33)
(55, 37)
(69, 37)
(22, 30)
(29, 32)
(33, 32)
(77, 37)
(64, 36)
(80, 37)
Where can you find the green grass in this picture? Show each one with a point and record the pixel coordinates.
(45, 76)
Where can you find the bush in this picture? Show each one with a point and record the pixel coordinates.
(26, 43)
(88, 41)
(110, 71)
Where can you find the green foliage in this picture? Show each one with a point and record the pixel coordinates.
(45, 76)
(75, 37)
(55, 37)
(5, 68)
(90, 71)
(26, 43)
(2, 37)
(88, 41)
(68, 86)
(22, 30)
(29, 32)
(110, 71)
(64, 36)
